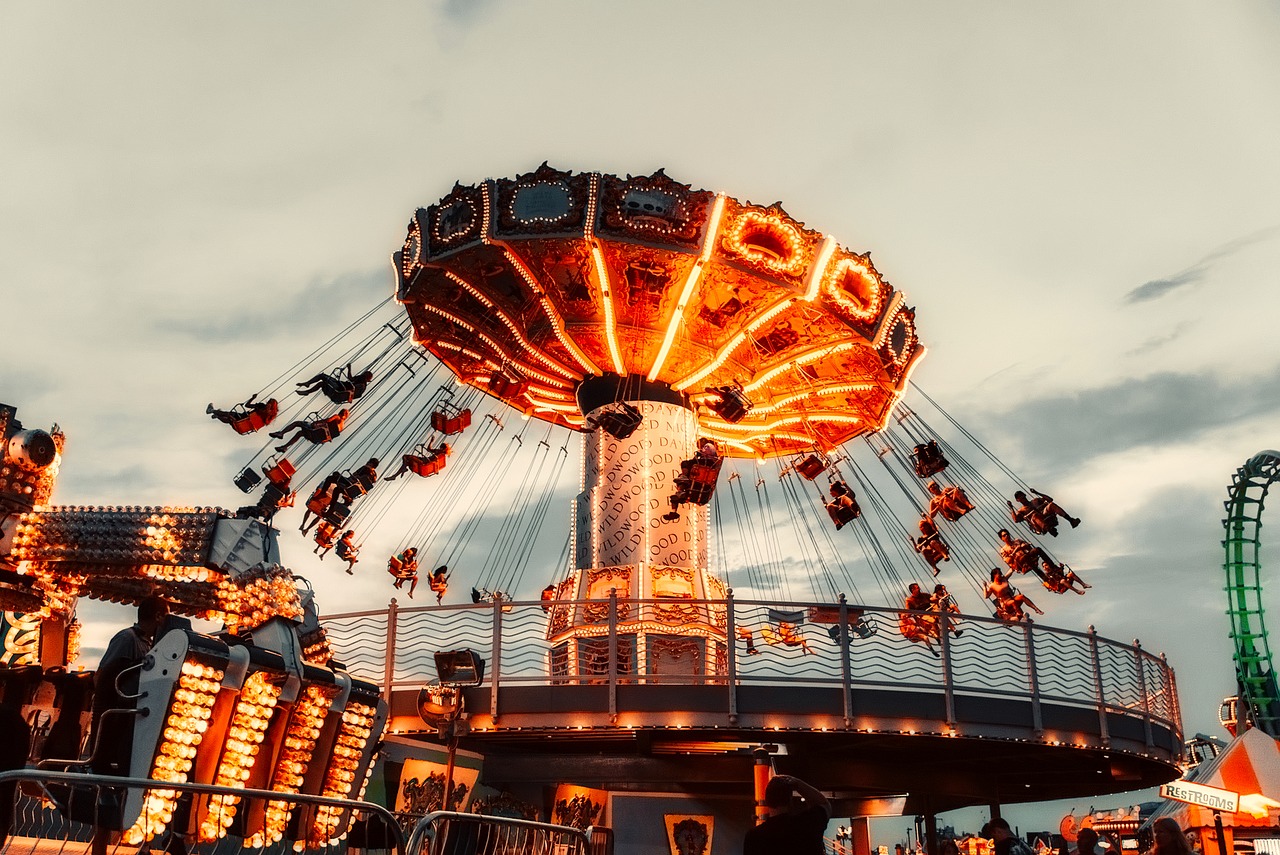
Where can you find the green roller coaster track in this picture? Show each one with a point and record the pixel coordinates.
(1259, 698)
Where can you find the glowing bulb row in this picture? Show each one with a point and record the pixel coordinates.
(248, 727)
(185, 725)
(299, 745)
(348, 750)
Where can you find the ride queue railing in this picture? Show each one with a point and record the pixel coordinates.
(58, 812)
(445, 832)
(830, 644)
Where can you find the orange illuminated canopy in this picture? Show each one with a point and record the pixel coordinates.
(526, 286)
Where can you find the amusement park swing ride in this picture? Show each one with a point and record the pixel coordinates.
(732, 375)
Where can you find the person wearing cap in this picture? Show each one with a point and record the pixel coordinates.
(790, 826)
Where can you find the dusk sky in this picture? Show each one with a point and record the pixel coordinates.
(1081, 200)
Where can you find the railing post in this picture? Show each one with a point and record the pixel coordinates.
(389, 660)
(613, 655)
(846, 670)
(1033, 679)
(1103, 730)
(948, 682)
(731, 655)
(1142, 689)
(496, 670)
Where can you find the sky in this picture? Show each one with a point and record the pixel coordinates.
(1081, 200)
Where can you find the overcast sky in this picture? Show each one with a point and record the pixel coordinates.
(1082, 201)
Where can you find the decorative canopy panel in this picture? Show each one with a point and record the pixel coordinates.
(525, 286)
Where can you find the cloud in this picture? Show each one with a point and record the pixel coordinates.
(1157, 410)
(1157, 288)
(264, 314)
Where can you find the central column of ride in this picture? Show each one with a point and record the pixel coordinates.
(637, 567)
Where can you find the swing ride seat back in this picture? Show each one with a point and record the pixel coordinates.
(841, 514)
(620, 424)
(425, 466)
(256, 419)
(450, 423)
(928, 459)
(247, 479)
(703, 475)
(279, 470)
(811, 467)
(336, 513)
(733, 404)
(356, 485)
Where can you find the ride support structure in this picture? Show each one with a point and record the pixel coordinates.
(630, 545)
(1255, 673)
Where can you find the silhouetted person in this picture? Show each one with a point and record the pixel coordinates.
(790, 826)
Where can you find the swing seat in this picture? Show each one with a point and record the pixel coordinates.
(811, 467)
(504, 387)
(247, 479)
(256, 419)
(355, 486)
(733, 404)
(326, 535)
(703, 475)
(450, 421)
(841, 513)
(320, 500)
(620, 424)
(336, 514)
(929, 459)
(426, 466)
(278, 470)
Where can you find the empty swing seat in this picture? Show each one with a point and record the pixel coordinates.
(811, 467)
(450, 421)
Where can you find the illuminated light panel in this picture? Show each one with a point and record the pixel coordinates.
(802, 359)
(816, 277)
(695, 274)
(467, 352)
(551, 393)
(606, 297)
(890, 315)
(734, 343)
(340, 777)
(305, 721)
(557, 323)
(512, 328)
(789, 264)
(820, 392)
(188, 715)
(552, 406)
(831, 288)
(245, 733)
(897, 394)
(502, 351)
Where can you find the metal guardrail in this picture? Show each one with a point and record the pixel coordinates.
(58, 812)
(835, 644)
(448, 832)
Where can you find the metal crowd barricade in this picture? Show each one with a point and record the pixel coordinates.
(56, 814)
(453, 833)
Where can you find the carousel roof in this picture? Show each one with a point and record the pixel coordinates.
(524, 287)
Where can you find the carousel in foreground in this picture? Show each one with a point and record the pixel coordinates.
(736, 379)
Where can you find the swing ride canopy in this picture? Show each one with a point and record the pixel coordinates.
(524, 287)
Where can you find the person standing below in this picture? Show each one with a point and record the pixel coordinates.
(790, 827)
(1006, 842)
(1086, 842)
(112, 740)
(1169, 839)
